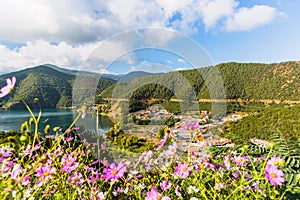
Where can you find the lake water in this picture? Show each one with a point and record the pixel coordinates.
(12, 120)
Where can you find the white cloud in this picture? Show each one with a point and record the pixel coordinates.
(41, 52)
(214, 10)
(248, 18)
(66, 32)
(180, 68)
(181, 60)
(88, 21)
(105, 71)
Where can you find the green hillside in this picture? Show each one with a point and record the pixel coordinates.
(241, 80)
(284, 121)
(53, 88)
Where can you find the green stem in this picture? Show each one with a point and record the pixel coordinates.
(33, 117)
(26, 105)
(247, 183)
(109, 190)
(74, 122)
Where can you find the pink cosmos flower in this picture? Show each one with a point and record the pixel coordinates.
(83, 112)
(50, 136)
(235, 175)
(219, 186)
(227, 162)
(276, 161)
(146, 156)
(172, 149)
(69, 139)
(139, 176)
(155, 195)
(97, 195)
(69, 163)
(104, 162)
(76, 178)
(103, 148)
(75, 128)
(165, 185)
(94, 177)
(191, 126)
(26, 180)
(44, 173)
(17, 169)
(274, 175)
(95, 162)
(182, 170)
(177, 191)
(113, 172)
(6, 151)
(241, 161)
(68, 131)
(5, 166)
(10, 84)
(162, 142)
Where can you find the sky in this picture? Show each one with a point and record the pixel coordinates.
(119, 36)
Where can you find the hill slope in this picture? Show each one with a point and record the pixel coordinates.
(279, 120)
(241, 80)
(53, 88)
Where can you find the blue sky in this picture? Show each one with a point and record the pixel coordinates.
(93, 35)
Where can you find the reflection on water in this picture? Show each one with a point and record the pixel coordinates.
(12, 120)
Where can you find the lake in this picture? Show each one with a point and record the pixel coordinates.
(12, 120)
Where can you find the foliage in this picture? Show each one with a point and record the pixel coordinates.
(263, 124)
(128, 142)
(59, 165)
(53, 88)
(247, 81)
(288, 151)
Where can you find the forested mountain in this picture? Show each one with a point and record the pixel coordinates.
(240, 80)
(248, 81)
(284, 121)
(52, 87)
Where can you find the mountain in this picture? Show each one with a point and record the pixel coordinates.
(53, 86)
(131, 76)
(284, 121)
(247, 81)
(112, 77)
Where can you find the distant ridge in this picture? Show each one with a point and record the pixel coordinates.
(245, 81)
(50, 84)
(53, 85)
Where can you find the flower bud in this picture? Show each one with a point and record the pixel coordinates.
(35, 100)
(31, 121)
(47, 129)
(24, 127)
(55, 129)
(23, 138)
(272, 144)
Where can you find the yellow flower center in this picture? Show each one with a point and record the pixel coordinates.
(273, 175)
(159, 197)
(184, 169)
(114, 172)
(45, 173)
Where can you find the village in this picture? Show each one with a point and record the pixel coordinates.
(183, 135)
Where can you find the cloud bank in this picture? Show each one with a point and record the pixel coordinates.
(65, 32)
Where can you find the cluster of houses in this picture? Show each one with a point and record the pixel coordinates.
(157, 112)
(154, 112)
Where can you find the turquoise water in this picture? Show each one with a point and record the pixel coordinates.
(12, 120)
